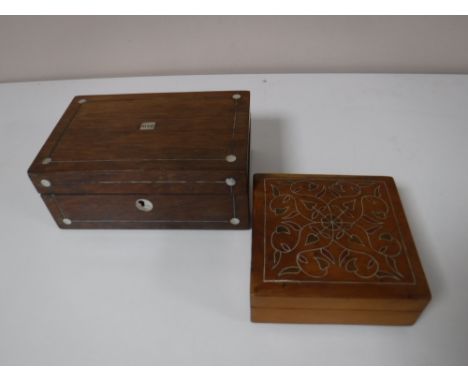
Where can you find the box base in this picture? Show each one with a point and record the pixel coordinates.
(317, 316)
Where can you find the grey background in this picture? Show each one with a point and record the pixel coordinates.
(182, 296)
(61, 47)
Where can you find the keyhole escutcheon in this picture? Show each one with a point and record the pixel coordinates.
(144, 205)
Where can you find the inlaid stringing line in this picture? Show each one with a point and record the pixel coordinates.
(138, 181)
(234, 124)
(233, 203)
(151, 221)
(337, 282)
(157, 181)
(155, 221)
(136, 160)
(63, 132)
(58, 206)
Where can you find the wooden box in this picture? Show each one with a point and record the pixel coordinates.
(333, 249)
(174, 160)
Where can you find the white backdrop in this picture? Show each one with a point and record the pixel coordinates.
(182, 296)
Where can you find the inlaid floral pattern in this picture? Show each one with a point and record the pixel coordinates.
(332, 230)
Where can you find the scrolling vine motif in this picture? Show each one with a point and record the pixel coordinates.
(332, 230)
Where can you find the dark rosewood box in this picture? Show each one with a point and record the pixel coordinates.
(172, 160)
(333, 249)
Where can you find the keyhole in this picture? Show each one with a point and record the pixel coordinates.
(144, 205)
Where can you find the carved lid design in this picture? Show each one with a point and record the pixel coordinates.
(335, 230)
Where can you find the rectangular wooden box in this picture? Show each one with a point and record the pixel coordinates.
(169, 160)
(333, 249)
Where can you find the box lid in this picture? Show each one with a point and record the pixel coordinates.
(164, 132)
(333, 242)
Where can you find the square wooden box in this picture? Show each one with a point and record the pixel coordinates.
(171, 160)
(333, 249)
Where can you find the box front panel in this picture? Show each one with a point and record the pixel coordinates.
(333, 316)
(149, 211)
